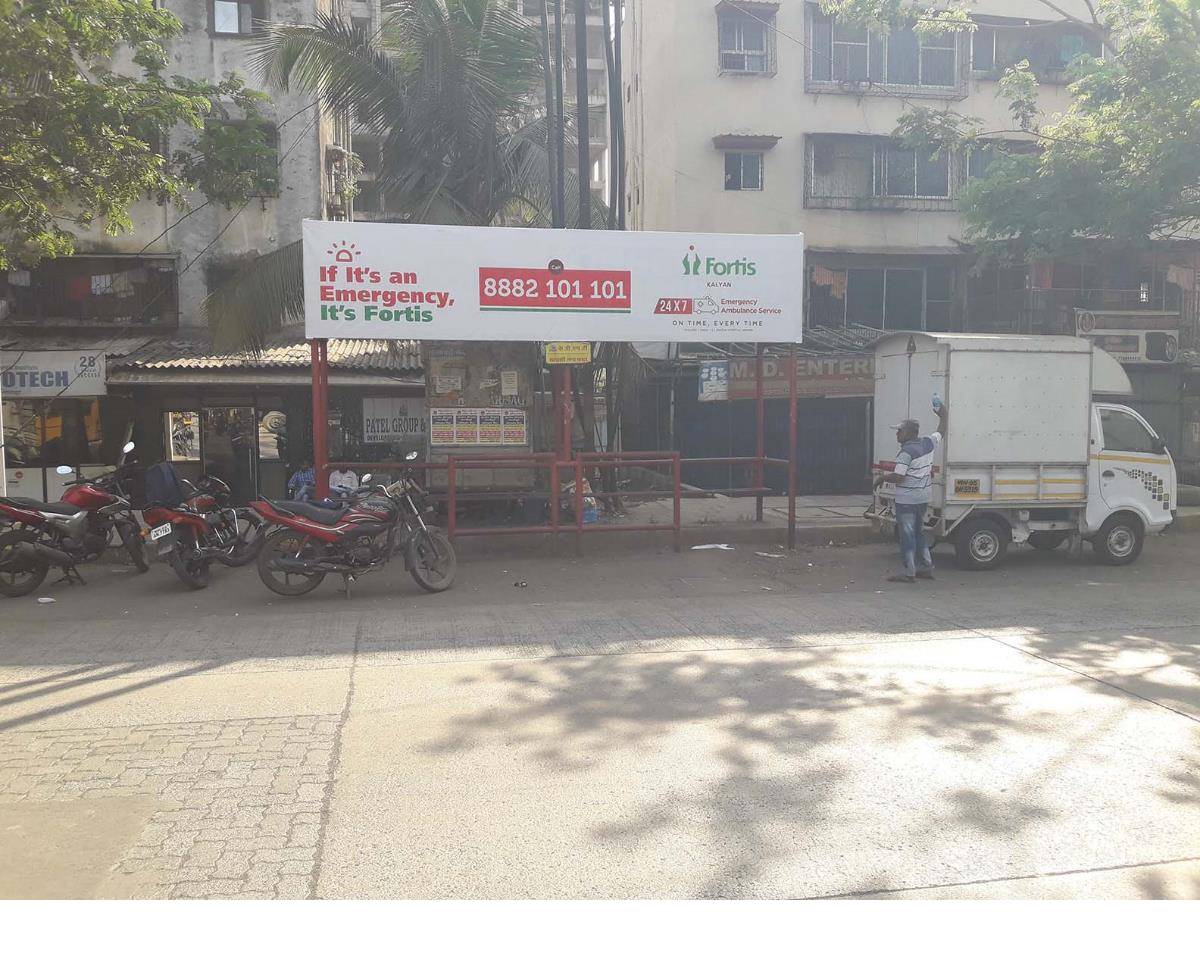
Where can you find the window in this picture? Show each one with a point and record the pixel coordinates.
(856, 172)
(985, 154)
(747, 43)
(183, 430)
(743, 171)
(242, 157)
(1125, 434)
(237, 17)
(1048, 47)
(883, 298)
(46, 432)
(844, 52)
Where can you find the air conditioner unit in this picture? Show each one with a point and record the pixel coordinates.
(853, 85)
(1132, 336)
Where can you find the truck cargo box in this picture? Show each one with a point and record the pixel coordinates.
(1020, 412)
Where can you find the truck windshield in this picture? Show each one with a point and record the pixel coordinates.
(1125, 434)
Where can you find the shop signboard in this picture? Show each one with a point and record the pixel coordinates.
(389, 420)
(817, 376)
(447, 282)
(52, 373)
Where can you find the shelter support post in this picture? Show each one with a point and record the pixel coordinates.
(793, 425)
(320, 415)
(759, 426)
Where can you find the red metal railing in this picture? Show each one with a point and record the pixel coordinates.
(577, 468)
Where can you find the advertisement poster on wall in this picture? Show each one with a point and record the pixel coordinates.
(478, 427)
(445, 282)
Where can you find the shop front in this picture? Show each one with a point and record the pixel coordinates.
(247, 418)
(58, 409)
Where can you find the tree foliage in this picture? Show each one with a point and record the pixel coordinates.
(84, 107)
(1121, 163)
(446, 86)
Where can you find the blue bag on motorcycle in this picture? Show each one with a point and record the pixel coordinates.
(163, 486)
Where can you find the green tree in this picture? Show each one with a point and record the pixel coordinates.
(1122, 163)
(80, 139)
(446, 86)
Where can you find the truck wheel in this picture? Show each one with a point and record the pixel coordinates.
(980, 544)
(1047, 540)
(1119, 540)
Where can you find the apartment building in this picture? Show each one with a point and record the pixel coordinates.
(143, 292)
(776, 117)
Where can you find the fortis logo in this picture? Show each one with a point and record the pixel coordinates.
(697, 265)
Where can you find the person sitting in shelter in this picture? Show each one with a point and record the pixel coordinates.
(302, 482)
(342, 483)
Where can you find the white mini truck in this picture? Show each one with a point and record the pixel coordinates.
(1030, 457)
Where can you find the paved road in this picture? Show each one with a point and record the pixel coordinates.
(707, 725)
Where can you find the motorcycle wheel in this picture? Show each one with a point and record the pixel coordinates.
(19, 574)
(252, 535)
(134, 545)
(431, 560)
(286, 543)
(192, 572)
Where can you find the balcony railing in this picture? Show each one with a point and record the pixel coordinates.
(95, 291)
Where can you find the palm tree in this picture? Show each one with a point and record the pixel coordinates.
(446, 86)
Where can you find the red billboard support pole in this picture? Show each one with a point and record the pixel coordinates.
(562, 405)
(320, 414)
(793, 425)
(760, 426)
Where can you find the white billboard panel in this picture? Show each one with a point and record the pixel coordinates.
(448, 282)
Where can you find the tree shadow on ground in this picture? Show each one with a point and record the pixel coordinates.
(771, 744)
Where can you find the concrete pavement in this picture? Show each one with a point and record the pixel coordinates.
(714, 724)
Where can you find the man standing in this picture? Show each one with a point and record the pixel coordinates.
(912, 477)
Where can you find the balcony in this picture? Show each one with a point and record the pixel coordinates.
(865, 173)
(94, 291)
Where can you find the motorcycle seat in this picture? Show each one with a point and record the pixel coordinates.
(311, 512)
(28, 503)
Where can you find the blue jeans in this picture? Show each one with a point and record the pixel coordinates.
(910, 519)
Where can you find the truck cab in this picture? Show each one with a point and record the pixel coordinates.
(1130, 471)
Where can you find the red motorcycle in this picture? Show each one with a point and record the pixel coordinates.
(356, 537)
(77, 529)
(202, 528)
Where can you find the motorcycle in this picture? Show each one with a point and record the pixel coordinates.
(77, 529)
(359, 536)
(239, 530)
(203, 527)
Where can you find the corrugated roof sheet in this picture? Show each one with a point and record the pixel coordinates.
(379, 356)
(114, 347)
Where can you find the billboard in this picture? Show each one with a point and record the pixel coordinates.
(448, 282)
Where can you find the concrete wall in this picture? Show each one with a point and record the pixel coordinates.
(678, 101)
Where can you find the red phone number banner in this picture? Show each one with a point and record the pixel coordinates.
(541, 289)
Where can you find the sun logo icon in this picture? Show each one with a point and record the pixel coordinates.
(344, 251)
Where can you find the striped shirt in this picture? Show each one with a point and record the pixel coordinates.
(915, 465)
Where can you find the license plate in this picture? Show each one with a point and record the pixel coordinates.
(160, 532)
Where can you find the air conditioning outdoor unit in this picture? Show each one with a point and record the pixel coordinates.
(1132, 336)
